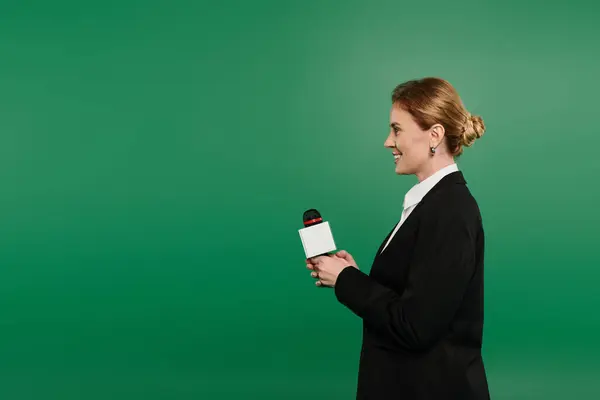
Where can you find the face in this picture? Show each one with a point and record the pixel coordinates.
(408, 142)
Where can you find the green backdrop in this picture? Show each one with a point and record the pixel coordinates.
(156, 158)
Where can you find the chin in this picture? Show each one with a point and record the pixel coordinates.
(401, 171)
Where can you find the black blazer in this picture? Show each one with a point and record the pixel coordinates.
(422, 303)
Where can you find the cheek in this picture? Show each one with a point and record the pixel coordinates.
(411, 147)
(418, 145)
(415, 154)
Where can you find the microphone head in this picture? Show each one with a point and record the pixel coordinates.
(311, 217)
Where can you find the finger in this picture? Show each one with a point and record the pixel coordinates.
(314, 274)
(346, 256)
(322, 283)
(310, 266)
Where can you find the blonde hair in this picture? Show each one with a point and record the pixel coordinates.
(434, 100)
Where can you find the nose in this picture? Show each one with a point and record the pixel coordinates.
(389, 142)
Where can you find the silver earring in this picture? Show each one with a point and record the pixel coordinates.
(432, 149)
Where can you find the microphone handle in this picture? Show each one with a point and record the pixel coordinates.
(324, 254)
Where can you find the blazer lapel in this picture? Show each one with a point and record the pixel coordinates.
(385, 240)
(448, 180)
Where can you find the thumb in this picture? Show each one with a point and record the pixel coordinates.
(342, 254)
(346, 256)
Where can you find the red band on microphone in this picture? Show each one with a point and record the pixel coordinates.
(312, 221)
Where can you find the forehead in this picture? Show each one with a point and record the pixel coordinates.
(400, 116)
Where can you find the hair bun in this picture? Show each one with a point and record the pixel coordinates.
(473, 129)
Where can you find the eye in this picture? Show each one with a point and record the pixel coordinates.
(396, 130)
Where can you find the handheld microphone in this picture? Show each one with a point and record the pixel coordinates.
(316, 235)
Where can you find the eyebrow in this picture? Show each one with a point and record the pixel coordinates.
(395, 125)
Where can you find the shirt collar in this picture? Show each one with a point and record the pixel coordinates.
(417, 192)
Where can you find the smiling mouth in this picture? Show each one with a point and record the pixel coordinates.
(397, 157)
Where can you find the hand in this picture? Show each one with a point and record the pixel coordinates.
(346, 256)
(327, 268)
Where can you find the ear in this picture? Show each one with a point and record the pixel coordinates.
(437, 133)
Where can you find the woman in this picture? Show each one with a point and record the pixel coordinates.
(422, 302)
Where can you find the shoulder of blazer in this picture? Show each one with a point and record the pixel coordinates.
(451, 196)
(444, 187)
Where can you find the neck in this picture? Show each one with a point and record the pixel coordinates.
(436, 163)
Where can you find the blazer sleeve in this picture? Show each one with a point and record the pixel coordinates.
(442, 266)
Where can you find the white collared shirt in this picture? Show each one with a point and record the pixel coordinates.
(416, 194)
